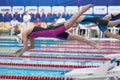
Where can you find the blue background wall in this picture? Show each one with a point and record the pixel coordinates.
(53, 3)
(56, 2)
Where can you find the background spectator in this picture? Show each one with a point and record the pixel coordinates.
(37, 22)
(15, 30)
(26, 21)
(60, 19)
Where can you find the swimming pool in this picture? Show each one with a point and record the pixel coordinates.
(52, 58)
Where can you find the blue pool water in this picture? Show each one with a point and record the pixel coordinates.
(7, 45)
(32, 71)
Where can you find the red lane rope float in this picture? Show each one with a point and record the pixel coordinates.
(56, 57)
(76, 47)
(32, 77)
(47, 65)
(101, 43)
(74, 41)
(78, 52)
(107, 44)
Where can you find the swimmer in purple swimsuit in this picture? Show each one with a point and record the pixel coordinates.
(54, 31)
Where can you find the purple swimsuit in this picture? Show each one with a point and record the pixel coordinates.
(52, 31)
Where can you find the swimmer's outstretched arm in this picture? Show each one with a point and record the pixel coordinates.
(25, 42)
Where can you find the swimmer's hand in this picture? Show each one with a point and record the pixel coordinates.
(16, 52)
(19, 52)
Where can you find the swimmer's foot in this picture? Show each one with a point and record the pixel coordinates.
(86, 7)
(95, 45)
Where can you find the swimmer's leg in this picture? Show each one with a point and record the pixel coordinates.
(109, 34)
(110, 16)
(72, 20)
(113, 23)
(79, 38)
(107, 17)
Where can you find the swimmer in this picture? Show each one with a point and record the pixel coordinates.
(54, 31)
(112, 16)
(101, 23)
